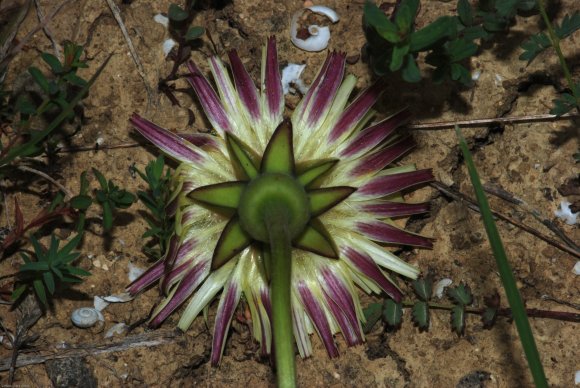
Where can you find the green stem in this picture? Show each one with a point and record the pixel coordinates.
(556, 44)
(505, 271)
(276, 221)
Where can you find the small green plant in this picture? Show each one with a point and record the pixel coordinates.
(22, 113)
(186, 37)
(156, 199)
(393, 44)
(51, 267)
(541, 41)
(111, 197)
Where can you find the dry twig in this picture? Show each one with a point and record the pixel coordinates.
(487, 121)
(470, 203)
(117, 14)
(55, 46)
(150, 339)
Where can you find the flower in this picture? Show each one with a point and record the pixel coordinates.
(326, 164)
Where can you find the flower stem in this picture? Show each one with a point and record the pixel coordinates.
(276, 220)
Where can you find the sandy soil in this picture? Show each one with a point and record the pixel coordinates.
(531, 161)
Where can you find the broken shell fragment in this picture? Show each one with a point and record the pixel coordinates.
(86, 317)
(319, 36)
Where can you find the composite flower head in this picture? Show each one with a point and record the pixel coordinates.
(326, 162)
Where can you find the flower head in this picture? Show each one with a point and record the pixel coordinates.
(328, 168)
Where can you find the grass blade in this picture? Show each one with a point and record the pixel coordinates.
(505, 271)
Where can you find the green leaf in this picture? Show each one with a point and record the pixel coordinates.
(564, 104)
(17, 293)
(279, 154)
(194, 33)
(432, 33)
(40, 291)
(38, 249)
(488, 317)
(74, 79)
(177, 14)
(35, 266)
(460, 49)
(24, 105)
(84, 183)
(39, 78)
(101, 178)
(569, 25)
(241, 157)
(316, 239)
(77, 271)
(72, 244)
(458, 319)
(423, 288)
(324, 199)
(374, 17)
(53, 62)
(399, 53)
(411, 72)
(405, 17)
(107, 216)
(460, 294)
(48, 279)
(372, 315)
(534, 46)
(232, 241)
(312, 172)
(465, 13)
(81, 202)
(225, 194)
(420, 313)
(506, 8)
(393, 313)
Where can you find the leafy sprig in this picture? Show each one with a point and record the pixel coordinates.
(186, 38)
(111, 197)
(51, 266)
(156, 198)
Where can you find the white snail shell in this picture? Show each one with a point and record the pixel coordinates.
(86, 317)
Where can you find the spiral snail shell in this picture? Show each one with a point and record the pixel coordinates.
(86, 317)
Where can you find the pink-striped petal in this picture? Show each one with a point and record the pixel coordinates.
(371, 137)
(209, 100)
(173, 276)
(388, 184)
(245, 86)
(316, 315)
(378, 160)
(356, 111)
(384, 209)
(200, 139)
(342, 306)
(228, 303)
(167, 141)
(363, 263)
(184, 290)
(317, 101)
(385, 233)
(147, 278)
(272, 82)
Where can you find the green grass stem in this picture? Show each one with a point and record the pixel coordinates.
(505, 271)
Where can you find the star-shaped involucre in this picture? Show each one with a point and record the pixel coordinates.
(325, 163)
